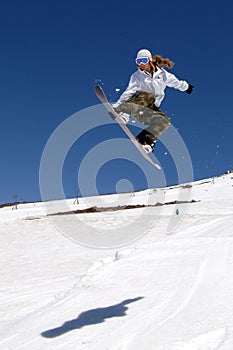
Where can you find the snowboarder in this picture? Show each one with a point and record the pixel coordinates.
(145, 93)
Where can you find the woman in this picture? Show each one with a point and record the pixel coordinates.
(145, 93)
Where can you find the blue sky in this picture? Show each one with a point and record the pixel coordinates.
(52, 54)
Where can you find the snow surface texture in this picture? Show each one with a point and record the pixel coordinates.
(168, 290)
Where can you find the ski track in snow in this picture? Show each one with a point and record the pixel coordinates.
(163, 292)
(207, 341)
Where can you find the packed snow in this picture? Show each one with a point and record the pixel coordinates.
(169, 287)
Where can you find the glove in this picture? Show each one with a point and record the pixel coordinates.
(115, 105)
(190, 89)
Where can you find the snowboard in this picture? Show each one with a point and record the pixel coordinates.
(102, 97)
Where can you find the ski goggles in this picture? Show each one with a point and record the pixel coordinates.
(142, 60)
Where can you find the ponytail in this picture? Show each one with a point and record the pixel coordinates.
(159, 61)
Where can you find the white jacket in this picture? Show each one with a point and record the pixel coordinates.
(142, 81)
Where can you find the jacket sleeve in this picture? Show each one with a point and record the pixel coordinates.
(131, 89)
(174, 82)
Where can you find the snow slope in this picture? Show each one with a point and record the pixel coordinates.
(169, 289)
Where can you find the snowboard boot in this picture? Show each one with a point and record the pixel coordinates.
(149, 148)
(147, 140)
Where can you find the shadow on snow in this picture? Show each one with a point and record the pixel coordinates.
(91, 317)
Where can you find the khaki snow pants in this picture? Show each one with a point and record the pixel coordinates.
(142, 107)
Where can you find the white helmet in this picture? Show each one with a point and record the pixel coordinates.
(144, 53)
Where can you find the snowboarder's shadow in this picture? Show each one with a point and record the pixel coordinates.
(90, 317)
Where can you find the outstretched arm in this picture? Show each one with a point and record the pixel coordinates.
(174, 82)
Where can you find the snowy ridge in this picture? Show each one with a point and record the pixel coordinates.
(165, 291)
